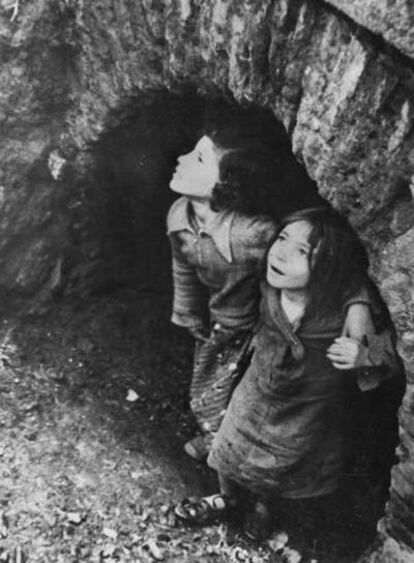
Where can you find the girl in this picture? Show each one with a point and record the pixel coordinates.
(233, 188)
(283, 432)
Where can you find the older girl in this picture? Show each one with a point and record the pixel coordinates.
(283, 432)
(233, 190)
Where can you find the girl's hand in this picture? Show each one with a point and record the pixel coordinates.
(347, 353)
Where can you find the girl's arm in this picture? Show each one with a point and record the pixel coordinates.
(374, 355)
(189, 301)
(358, 321)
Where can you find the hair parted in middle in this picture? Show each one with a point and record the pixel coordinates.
(338, 260)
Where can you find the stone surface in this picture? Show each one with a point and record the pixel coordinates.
(391, 19)
(387, 550)
(395, 270)
(75, 74)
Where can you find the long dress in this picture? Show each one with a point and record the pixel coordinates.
(284, 430)
(216, 274)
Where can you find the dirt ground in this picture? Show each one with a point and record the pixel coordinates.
(93, 417)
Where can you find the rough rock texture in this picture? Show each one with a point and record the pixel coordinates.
(72, 73)
(391, 19)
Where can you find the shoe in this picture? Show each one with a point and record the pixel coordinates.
(196, 448)
(204, 510)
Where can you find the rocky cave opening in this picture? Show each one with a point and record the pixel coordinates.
(119, 246)
(114, 287)
(121, 197)
(95, 107)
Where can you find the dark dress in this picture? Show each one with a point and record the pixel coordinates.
(284, 429)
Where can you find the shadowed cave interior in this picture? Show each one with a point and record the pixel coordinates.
(120, 228)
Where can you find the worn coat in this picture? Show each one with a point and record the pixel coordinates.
(216, 272)
(284, 430)
(216, 269)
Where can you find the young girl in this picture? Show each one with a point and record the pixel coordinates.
(233, 188)
(283, 432)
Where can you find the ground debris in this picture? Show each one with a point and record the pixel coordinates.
(14, 555)
(132, 396)
(154, 550)
(74, 517)
(110, 533)
(4, 525)
(278, 541)
(90, 476)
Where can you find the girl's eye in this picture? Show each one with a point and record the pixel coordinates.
(303, 252)
(200, 158)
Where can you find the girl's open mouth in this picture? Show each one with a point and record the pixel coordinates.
(276, 271)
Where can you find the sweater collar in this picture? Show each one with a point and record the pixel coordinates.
(182, 218)
(272, 310)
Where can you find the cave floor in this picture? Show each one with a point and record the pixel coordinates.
(93, 418)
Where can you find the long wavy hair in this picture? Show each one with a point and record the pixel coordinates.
(338, 260)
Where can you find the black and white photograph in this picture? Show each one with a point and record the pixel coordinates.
(206, 281)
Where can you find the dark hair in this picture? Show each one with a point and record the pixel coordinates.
(258, 172)
(338, 260)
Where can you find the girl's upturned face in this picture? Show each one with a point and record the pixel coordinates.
(197, 172)
(288, 258)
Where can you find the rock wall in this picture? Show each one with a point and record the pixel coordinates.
(391, 20)
(338, 75)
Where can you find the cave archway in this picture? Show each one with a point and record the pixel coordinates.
(343, 94)
(119, 244)
(120, 199)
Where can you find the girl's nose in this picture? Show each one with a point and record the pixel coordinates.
(274, 255)
(281, 254)
(185, 158)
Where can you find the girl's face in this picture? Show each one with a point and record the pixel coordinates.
(288, 258)
(197, 172)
